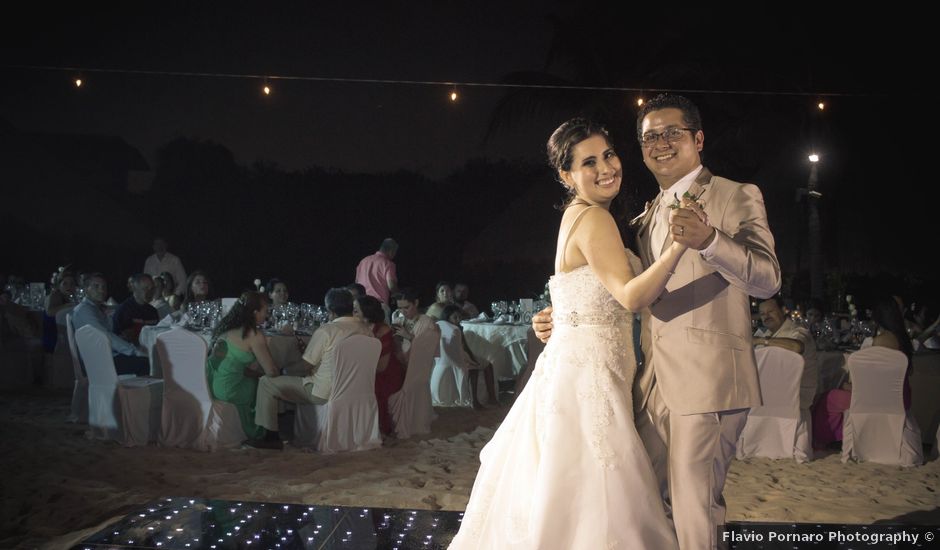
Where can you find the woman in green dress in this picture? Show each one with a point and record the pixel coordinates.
(240, 356)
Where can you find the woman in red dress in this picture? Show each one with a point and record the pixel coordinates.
(390, 372)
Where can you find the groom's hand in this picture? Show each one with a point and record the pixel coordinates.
(542, 324)
(688, 228)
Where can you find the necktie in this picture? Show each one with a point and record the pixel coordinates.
(660, 229)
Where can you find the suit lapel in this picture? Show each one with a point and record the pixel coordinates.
(644, 223)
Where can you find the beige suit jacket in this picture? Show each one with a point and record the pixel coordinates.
(700, 328)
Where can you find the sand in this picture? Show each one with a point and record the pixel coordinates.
(59, 487)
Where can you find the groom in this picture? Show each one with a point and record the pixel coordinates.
(701, 377)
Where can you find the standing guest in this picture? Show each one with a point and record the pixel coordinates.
(197, 289)
(461, 292)
(377, 273)
(784, 333)
(444, 293)
(57, 300)
(390, 371)
(161, 260)
(238, 349)
(321, 357)
(135, 312)
(128, 358)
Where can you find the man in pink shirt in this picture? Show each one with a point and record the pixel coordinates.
(377, 272)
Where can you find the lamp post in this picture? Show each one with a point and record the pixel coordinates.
(815, 233)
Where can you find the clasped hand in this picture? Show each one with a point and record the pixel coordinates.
(689, 225)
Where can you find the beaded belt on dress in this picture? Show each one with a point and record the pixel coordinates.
(590, 319)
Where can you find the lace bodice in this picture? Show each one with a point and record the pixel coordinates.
(579, 298)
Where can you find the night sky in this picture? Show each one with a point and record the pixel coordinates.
(870, 204)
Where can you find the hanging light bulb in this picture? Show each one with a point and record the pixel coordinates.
(266, 90)
(821, 105)
(453, 94)
(639, 102)
(78, 82)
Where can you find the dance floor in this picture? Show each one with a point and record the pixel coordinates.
(202, 524)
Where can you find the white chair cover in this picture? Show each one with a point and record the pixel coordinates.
(450, 386)
(778, 428)
(58, 372)
(191, 418)
(227, 304)
(349, 421)
(123, 408)
(411, 406)
(935, 454)
(876, 427)
(79, 409)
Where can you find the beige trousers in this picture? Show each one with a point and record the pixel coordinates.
(284, 388)
(691, 455)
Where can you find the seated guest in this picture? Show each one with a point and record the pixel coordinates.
(891, 333)
(784, 333)
(169, 291)
(197, 290)
(461, 292)
(453, 315)
(356, 289)
(409, 322)
(57, 300)
(444, 293)
(128, 358)
(321, 358)
(277, 292)
(390, 372)
(238, 348)
(135, 312)
(159, 301)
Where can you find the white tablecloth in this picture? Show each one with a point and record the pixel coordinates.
(285, 350)
(502, 345)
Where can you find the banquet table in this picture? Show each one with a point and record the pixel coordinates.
(502, 344)
(285, 350)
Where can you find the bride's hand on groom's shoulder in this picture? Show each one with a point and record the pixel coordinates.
(542, 324)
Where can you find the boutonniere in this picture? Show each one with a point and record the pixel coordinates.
(693, 203)
(687, 199)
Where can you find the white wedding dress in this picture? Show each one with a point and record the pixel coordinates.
(566, 469)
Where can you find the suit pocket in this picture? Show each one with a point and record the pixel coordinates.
(713, 338)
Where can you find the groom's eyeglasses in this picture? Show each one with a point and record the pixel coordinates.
(671, 135)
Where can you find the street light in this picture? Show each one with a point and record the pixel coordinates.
(815, 231)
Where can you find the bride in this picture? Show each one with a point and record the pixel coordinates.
(566, 469)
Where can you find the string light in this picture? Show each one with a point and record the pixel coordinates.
(266, 90)
(437, 83)
(821, 105)
(453, 94)
(78, 82)
(639, 102)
